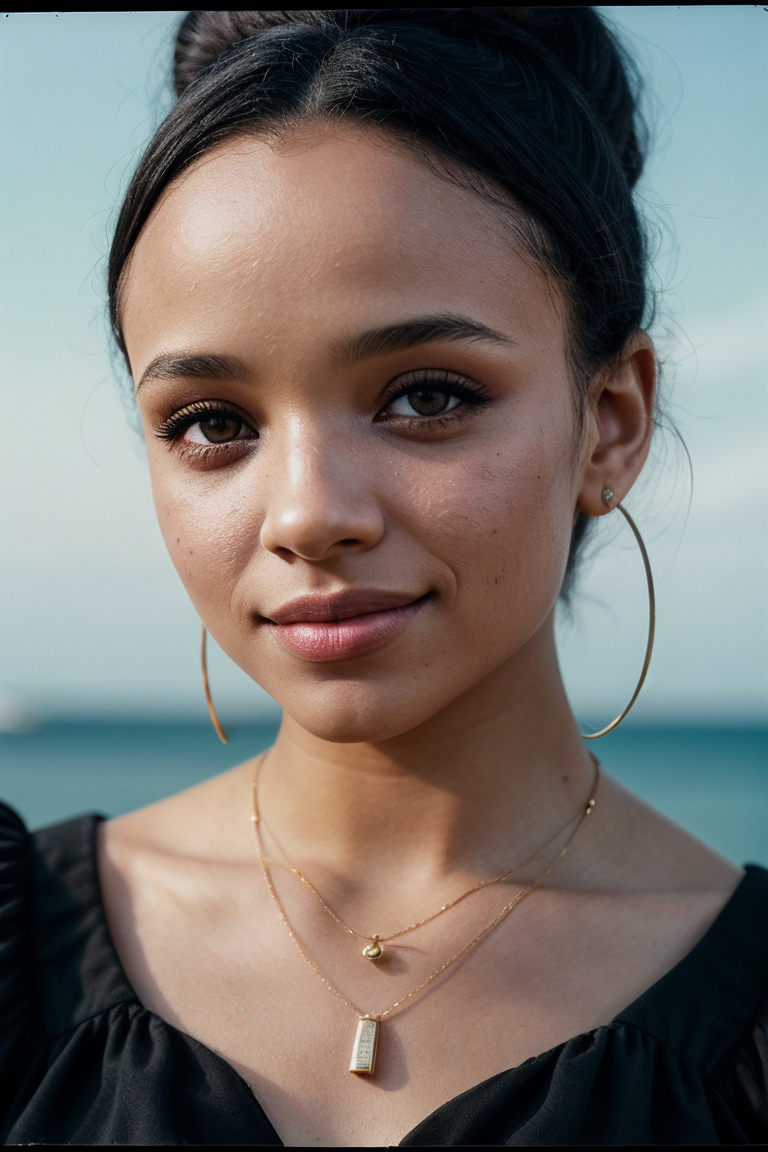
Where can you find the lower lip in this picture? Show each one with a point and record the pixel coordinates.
(344, 639)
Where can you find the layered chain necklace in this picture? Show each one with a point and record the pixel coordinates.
(374, 950)
(363, 1058)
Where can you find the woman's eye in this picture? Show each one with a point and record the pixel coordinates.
(424, 402)
(218, 428)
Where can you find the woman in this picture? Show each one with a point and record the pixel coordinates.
(380, 285)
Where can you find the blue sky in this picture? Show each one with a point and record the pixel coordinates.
(94, 619)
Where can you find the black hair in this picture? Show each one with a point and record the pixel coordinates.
(537, 107)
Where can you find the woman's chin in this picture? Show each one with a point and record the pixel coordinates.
(356, 717)
(350, 726)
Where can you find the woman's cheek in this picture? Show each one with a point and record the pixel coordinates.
(504, 527)
(209, 535)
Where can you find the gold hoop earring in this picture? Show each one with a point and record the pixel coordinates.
(204, 664)
(607, 497)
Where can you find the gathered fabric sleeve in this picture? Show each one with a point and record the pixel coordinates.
(81, 1060)
(21, 1031)
(743, 1080)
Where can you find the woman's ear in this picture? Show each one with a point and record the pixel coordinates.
(619, 425)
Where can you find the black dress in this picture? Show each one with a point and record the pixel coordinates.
(81, 1061)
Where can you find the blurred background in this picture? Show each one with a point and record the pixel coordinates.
(101, 706)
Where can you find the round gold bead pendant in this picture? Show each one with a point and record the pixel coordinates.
(374, 950)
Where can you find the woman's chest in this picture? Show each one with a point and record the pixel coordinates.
(283, 1010)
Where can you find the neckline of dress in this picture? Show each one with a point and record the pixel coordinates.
(639, 1006)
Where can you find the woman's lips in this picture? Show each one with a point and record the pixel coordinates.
(332, 629)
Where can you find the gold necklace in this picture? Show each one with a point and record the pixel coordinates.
(368, 1025)
(374, 950)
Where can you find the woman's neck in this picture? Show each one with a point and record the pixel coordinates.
(487, 780)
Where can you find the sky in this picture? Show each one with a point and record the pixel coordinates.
(93, 619)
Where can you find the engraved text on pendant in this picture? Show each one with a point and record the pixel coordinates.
(364, 1049)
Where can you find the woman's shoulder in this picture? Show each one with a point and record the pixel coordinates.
(710, 1012)
(74, 1040)
(59, 964)
(17, 1002)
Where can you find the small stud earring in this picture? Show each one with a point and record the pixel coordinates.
(607, 496)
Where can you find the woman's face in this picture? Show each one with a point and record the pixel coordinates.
(360, 425)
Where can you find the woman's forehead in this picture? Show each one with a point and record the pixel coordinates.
(317, 223)
(337, 191)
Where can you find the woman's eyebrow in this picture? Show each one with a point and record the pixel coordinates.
(423, 330)
(170, 366)
(362, 346)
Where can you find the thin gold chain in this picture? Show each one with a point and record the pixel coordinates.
(418, 923)
(486, 931)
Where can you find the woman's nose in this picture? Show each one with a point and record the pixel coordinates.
(319, 504)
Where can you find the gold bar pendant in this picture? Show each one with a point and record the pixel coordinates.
(366, 1042)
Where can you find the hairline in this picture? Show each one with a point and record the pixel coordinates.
(519, 226)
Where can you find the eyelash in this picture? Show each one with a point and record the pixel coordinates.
(471, 394)
(176, 425)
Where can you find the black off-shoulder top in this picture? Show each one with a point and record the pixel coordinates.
(82, 1061)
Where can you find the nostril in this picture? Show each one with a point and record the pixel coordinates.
(313, 525)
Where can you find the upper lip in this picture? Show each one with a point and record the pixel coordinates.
(316, 608)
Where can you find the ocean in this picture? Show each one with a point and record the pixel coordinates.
(711, 780)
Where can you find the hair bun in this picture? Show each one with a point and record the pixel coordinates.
(576, 36)
(203, 37)
(607, 74)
